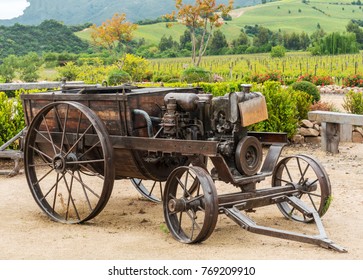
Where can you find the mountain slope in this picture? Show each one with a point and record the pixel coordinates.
(97, 11)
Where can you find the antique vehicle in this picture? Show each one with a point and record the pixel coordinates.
(175, 145)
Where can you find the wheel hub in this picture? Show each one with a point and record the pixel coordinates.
(59, 163)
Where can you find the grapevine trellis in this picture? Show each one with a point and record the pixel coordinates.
(234, 68)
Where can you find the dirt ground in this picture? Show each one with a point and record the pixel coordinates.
(132, 228)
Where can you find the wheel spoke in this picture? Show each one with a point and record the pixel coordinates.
(85, 161)
(55, 192)
(85, 191)
(70, 198)
(86, 187)
(50, 136)
(78, 140)
(42, 178)
(40, 152)
(90, 149)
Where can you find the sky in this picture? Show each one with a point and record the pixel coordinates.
(12, 8)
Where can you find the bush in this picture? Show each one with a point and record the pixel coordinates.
(353, 102)
(70, 71)
(196, 74)
(270, 76)
(323, 106)
(353, 81)
(278, 51)
(135, 65)
(307, 87)
(283, 114)
(117, 77)
(316, 80)
(11, 117)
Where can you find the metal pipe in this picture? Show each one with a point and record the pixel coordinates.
(147, 118)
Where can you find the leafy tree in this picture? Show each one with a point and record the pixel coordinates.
(8, 68)
(29, 66)
(278, 51)
(354, 28)
(218, 43)
(134, 65)
(167, 43)
(114, 33)
(204, 15)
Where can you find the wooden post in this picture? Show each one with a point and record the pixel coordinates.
(330, 136)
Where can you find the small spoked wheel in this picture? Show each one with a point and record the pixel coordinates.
(152, 190)
(310, 179)
(190, 204)
(69, 162)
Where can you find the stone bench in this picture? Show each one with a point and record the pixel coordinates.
(335, 127)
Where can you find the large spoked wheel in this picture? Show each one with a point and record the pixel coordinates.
(69, 162)
(190, 204)
(312, 181)
(151, 190)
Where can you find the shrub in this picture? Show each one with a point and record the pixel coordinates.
(353, 102)
(135, 65)
(316, 80)
(270, 76)
(196, 74)
(282, 109)
(118, 76)
(70, 71)
(354, 81)
(11, 117)
(323, 106)
(278, 51)
(307, 87)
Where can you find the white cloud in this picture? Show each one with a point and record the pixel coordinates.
(12, 8)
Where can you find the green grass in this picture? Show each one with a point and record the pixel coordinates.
(273, 15)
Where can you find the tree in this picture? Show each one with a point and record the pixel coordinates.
(278, 51)
(8, 68)
(204, 15)
(114, 33)
(218, 43)
(354, 28)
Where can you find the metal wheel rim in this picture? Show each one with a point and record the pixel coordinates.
(79, 165)
(183, 225)
(318, 200)
(151, 190)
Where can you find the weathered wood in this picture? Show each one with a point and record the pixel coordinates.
(40, 85)
(335, 127)
(13, 155)
(330, 137)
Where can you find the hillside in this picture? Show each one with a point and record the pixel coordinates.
(284, 15)
(97, 11)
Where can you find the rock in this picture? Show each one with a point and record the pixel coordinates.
(316, 127)
(307, 124)
(357, 137)
(308, 132)
(313, 140)
(298, 139)
(359, 129)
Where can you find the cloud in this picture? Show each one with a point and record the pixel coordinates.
(12, 8)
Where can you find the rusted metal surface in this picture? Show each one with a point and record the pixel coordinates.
(82, 139)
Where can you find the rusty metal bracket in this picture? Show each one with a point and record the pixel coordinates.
(248, 224)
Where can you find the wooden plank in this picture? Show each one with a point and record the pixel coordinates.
(40, 85)
(334, 117)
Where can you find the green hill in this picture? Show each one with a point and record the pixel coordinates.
(284, 15)
(97, 11)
